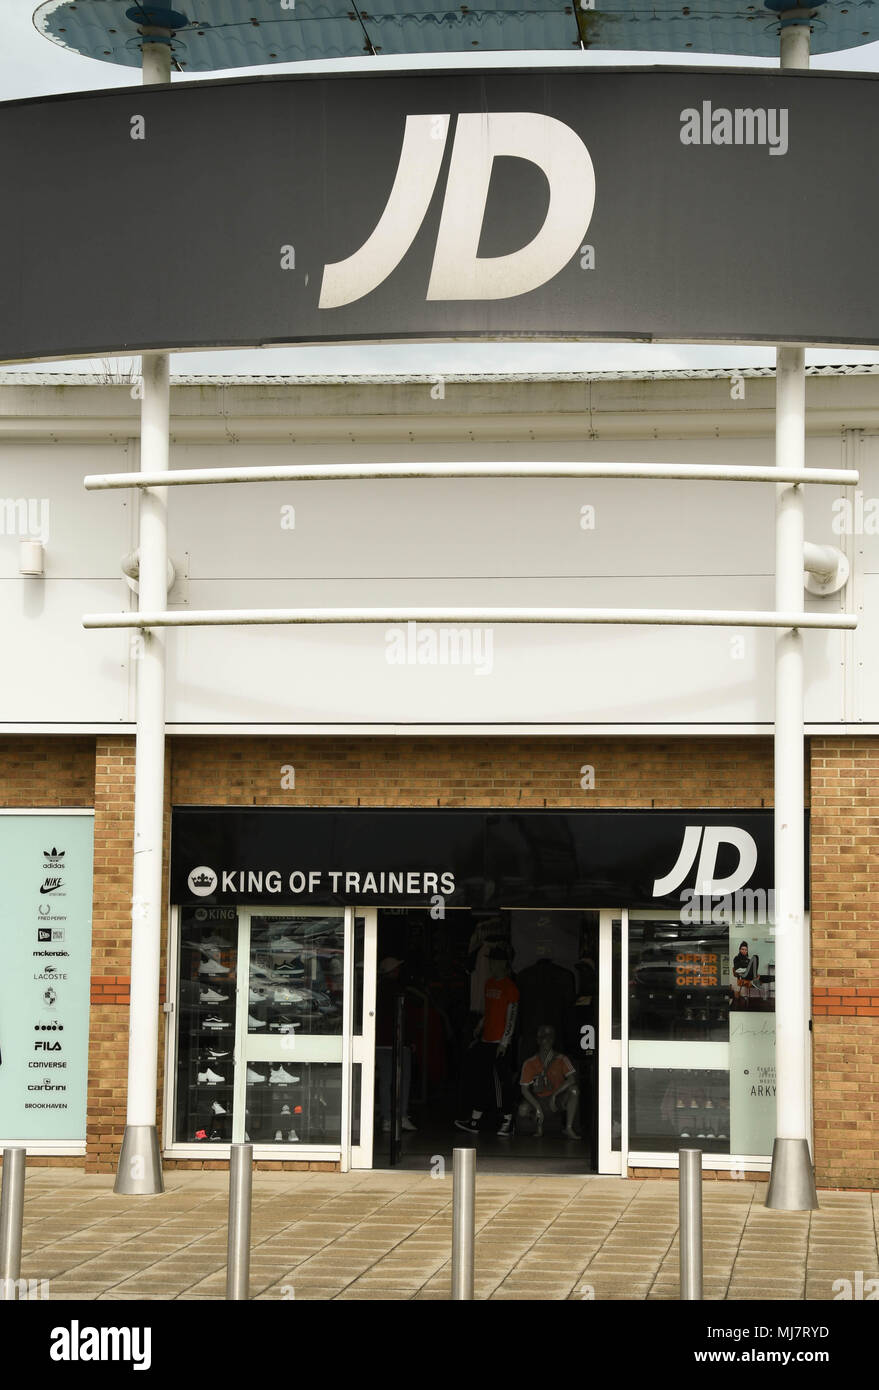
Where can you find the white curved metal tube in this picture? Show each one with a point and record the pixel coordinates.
(330, 472)
(247, 617)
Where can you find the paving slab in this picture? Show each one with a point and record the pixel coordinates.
(377, 1236)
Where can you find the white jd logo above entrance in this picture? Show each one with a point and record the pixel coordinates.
(706, 884)
(457, 272)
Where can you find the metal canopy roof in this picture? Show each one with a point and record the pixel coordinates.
(212, 35)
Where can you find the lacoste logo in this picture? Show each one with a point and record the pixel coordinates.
(458, 272)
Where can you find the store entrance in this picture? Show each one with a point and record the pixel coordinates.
(526, 977)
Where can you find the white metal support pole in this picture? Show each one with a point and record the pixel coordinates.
(140, 1164)
(792, 1180)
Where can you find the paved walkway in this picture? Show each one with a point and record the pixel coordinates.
(388, 1236)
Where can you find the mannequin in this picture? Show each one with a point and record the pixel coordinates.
(549, 1084)
(487, 1080)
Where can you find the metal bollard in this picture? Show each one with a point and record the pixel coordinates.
(11, 1218)
(238, 1250)
(463, 1222)
(690, 1197)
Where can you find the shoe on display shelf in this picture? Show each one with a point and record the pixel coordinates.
(286, 994)
(209, 966)
(214, 1054)
(280, 1076)
(218, 1109)
(215, 1022)
(285, 1110)
(283, 1024)
(213, 996)
(292, 1136)
(258, 996)
(284, 943)
(279, 1138)
(254, 1023)
(413, 1129)
(290, 974)
(253, 1078)
(209, 1077)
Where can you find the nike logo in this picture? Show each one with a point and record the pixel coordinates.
(51, 885)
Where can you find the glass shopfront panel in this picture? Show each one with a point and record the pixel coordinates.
(206, 1018)
(260, 999)
(701, 1029)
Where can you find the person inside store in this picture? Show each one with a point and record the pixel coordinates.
(488, 1082)
(548, 1083)
(389, 989)
(745, 979)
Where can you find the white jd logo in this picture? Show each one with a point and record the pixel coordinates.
(458, 273)
(706, 884)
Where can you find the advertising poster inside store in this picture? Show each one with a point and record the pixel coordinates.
(45, 937)
(752, 1040)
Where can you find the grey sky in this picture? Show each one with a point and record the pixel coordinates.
(31, 66)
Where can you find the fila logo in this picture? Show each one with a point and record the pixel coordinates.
(458, 272)
(711, 837)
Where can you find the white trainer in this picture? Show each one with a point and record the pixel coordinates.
(212, 967)
(280, 1075)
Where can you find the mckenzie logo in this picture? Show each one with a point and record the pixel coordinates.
(458, 272)
(75, 1343)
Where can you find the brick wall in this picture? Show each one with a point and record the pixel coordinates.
(508, 772)
(111, 953)
(46, 771)
(845, 959)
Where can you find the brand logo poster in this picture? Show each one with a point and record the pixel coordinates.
(45, 970)
(752, 1040)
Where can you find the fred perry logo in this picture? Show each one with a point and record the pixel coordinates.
(202, 881)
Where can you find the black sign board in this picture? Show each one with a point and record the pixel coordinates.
(653, 204)
(471, 858)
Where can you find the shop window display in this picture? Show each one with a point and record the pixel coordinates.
(246, 1008)
(672, 1106)
(703, 995)
(206, 1024)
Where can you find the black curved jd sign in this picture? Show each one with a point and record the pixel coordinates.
(654, 204)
